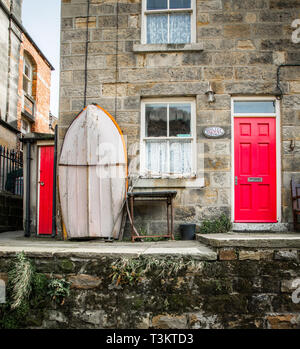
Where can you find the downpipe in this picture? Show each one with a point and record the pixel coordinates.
(28, 190)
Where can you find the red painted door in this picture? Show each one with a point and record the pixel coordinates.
(45, 190)
(255, 169)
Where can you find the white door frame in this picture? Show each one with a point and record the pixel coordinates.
(38, 190)
(39, 146)
(278, 148)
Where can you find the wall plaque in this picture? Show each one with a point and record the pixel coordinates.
(213, 132)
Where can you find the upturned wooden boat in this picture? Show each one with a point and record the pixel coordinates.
(93, 175)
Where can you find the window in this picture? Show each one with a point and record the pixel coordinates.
(168, 138)
(255, 107)
(27, 77)
(168, 21)
(25, 127)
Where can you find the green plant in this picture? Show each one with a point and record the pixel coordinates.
(26, 289)
(218, 226)
(20, 280)
(19, 291)
(126, 271)
(59, 289)
(143, 231)
(154, 239)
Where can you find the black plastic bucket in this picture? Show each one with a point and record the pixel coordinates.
(187, 231)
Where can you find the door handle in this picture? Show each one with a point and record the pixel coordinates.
(236, 180)
(42, 183)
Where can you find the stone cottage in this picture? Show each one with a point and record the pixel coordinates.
(207, 93)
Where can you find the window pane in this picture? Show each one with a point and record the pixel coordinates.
(157, 4)
(157, 29)
(156, 120)
(25, 84)
(181, 157)
(245, 107)
(180, 28)
(156, 157)
(180, 3)
(180, 120)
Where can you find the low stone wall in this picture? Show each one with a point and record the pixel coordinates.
(11, 212)
(243, 288)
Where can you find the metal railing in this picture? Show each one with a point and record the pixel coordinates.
(11, 171)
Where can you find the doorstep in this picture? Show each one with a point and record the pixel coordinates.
(260, 227)
(251, 240)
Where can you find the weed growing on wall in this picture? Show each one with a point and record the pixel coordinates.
(59, 289)
(20, 277)
(131, 270)
(26, 294)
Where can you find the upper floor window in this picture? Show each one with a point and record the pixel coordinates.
(168, 21)
(27, 76)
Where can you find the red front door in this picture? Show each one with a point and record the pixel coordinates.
(45, 186)
(255, 169)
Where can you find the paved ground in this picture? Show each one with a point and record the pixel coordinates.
(12, 242)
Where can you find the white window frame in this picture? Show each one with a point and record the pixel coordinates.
(146, 12)
(144, 139)
(28, 78)
(275, 115)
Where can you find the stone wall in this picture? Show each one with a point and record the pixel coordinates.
(8, 139)
(243, 42)
(9, 61)
(241, 289)
(11, 212)
(3, 62)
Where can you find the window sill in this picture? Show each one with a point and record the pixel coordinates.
(144, 48)
(171, 182)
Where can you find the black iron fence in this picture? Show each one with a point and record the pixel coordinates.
(11, 171)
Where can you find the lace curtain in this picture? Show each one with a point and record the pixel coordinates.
(178, 25)
(157, 159)
(180, 158)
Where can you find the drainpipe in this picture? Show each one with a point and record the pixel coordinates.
(54, 186)
(28, 176)
(278, 77)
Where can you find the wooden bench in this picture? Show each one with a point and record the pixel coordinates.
(295, 190)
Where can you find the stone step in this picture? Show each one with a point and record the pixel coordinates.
(251, 240)
(260, 227)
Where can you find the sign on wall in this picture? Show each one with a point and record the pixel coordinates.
(213, 132)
